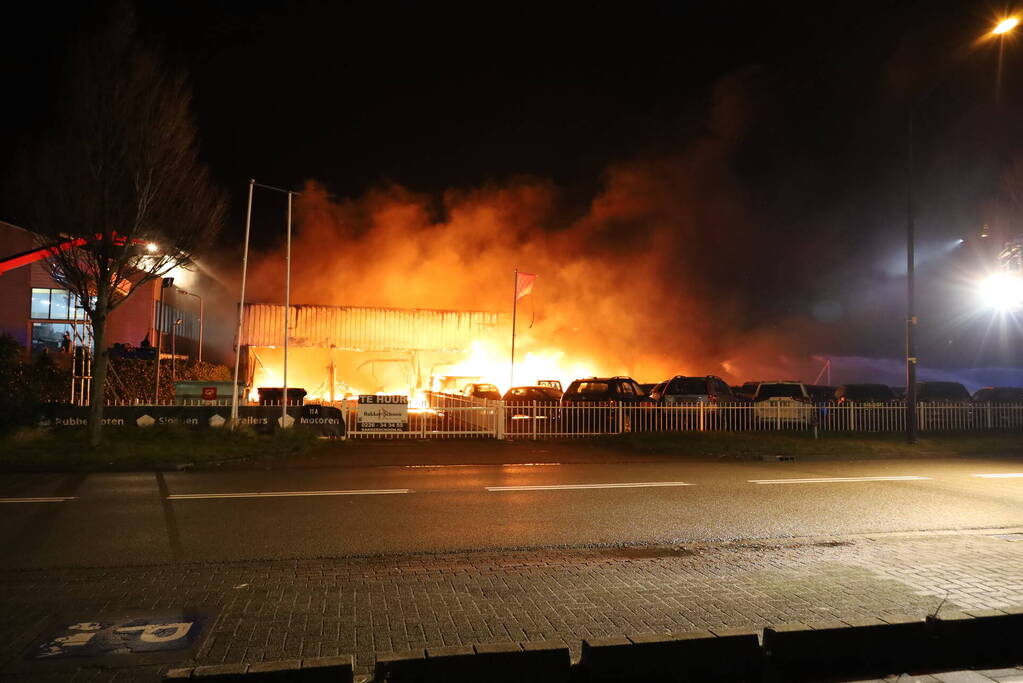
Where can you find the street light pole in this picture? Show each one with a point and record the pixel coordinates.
(186, 293)
(241, 310)
(165, 284)
(287, 308)
(174, 351)
(911, 424)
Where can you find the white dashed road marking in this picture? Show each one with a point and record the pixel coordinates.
(54, 499)
(285, 494)
(1001, 475)
(833, 480)
(557, 487)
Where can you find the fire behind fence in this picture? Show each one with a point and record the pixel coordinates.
(447, 416)
(450, 416)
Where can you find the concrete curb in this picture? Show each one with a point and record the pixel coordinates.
(865, 648)
(538, 662)
(313, 670)
(979, 638)
(696, 655)
(851, 648)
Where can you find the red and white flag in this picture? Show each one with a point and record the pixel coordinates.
(523, 284)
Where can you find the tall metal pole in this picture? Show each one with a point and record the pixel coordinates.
(515, 307)
(200, 327)
(287, 307)
(911, 359)
(241, 310)
(159, 344)
(174, 352)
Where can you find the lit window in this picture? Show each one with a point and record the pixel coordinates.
(40, 303)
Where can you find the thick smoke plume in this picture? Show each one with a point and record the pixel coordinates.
(651, 278)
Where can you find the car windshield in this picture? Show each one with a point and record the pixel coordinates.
(688, 385)
(591, 389)
(868, 392)
(491, 394)
(780, 391)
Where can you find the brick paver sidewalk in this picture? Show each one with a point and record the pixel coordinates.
(309, 608)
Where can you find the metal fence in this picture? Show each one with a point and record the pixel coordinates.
(442, 416)
(449, 416)
(457, 416)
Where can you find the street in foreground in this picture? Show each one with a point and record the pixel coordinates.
(268, 560)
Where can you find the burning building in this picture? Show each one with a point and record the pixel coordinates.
(339, 351)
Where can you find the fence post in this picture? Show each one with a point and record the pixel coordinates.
(618, 410)
(533, 419)
(499, 416)
(988, 411)
(701, 416)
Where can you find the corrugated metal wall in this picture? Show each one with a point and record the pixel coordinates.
(367, 329)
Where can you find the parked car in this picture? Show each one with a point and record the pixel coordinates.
(532, 408)
(682, 389)
(820, 393)
(480, 391)
(865, 407)
(647, 388)
(609, 390)
(783, 403)
(584, 396)
(864, 394)
(999, 395)
(1000, 407)
(942, 392)
(747, 390)
(944, 406)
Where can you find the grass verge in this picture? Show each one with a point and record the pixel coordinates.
(155, 447)
(748, 445)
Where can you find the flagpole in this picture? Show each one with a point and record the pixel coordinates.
(515, 307)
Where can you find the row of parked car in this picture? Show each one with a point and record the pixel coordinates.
(711, 389)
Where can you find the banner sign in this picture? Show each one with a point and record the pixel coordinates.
(382, 414)
(325, 420)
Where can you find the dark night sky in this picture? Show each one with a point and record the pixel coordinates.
(362, 95)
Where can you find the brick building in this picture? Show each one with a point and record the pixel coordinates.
(37, 312)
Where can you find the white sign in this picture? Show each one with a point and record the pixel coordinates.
(382, 414)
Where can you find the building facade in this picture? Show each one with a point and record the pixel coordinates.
(41, 315)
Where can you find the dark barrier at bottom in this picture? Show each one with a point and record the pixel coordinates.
(326, 420)
(794, 652)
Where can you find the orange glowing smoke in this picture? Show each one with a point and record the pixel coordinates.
(648, 279)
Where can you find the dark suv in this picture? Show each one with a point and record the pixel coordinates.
(608, 390)
(587, 405)
(682, 389)
(861, 394)
(865, 407)
(944, 406)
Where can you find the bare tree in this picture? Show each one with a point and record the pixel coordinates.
(120, 171)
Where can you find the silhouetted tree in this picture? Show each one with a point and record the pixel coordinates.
(120, 171)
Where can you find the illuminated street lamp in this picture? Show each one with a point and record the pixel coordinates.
(152, 247)
(1002, 292)
(1005, 25)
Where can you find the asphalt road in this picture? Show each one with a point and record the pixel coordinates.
(113, 519)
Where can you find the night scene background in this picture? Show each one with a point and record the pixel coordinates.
(700, 189)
